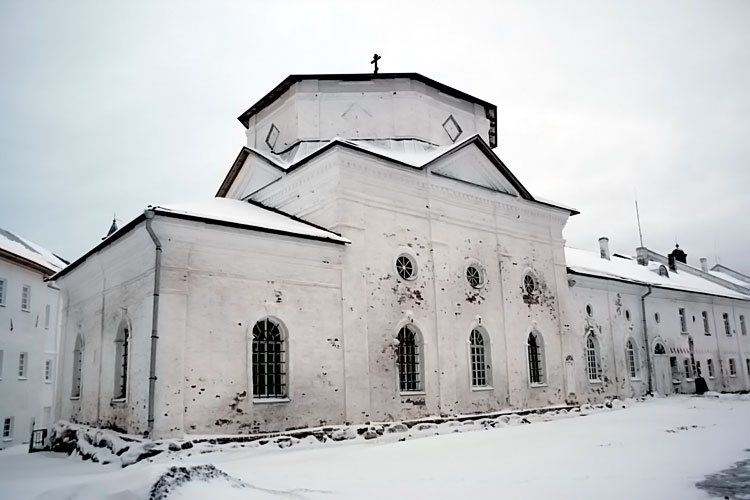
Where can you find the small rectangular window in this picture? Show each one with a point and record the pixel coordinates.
(46, 316)
(732, 368)
(8, 429)
(26, 298)
(743, 326)
(23, 360)
(706, 329)
(48, 370)
(3, 285)
(727, 328)
(686, 364)
(710, 365)
(683, 320)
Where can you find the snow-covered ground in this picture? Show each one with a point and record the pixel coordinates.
(655, 449)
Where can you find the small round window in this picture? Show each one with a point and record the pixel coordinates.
(529, 284)
(474, 275)
(589, 310)
(406, 267)
(627, 314)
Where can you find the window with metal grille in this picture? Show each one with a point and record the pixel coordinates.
(408, 359)
(706, 329)
(732, 368)
(269, 360)
(632, 358)
(536, 358)
(683, 321)
(727, 328)
(710, 366)
(480, 363)
(406, 267)
(592, 358)
(75, 388)
(122, 340)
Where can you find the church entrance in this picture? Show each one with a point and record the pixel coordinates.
(662, 371)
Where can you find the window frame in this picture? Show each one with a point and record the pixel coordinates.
(3, 291)
(727, 326)
(631, 360)
(121, 364)
(26, 298)
(481, 275)
(710, 368)
(48, 371)
(539, 357)
(8, 423)
(413, 360)
(23, 365)
(687, 369)
(593, 361)
(399, 266)
(743, 325)
(480, 362)
(683, 320)
(278, 390)
(76, 386)
(732, 367)
(706, 326)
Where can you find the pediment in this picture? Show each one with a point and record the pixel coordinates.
(254, 173)
(472, 166)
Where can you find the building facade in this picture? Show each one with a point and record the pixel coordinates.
(28, 337)
(368, 257)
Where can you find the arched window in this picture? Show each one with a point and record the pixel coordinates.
(121, 360)
(535, 346)
(659, 348)
(592, 357)
(480, 360)
(269, 360)
(631, 357)
(75, 390)
(409, 360)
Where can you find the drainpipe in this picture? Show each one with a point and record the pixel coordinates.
(149, 214)
(645, 336)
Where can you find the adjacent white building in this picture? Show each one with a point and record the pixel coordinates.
(368, 257)
(28, 337)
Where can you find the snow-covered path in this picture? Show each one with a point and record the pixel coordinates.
(657, 449)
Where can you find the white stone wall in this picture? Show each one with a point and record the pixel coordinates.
(323, 109)
(28, 398)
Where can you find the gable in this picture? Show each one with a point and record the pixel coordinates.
(253, 173)
(472, 166)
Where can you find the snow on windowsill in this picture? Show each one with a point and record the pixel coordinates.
(538, 385)
(270, 400)
(597, 381)
(75, 398)
(412, 393)
(23, 378)
(118, 402)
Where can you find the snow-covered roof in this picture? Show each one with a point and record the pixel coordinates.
(410, 153)
(628, 270)
(250, 215)
(730, 278)
(29, 251)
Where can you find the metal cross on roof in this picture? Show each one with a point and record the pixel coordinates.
(375, 59)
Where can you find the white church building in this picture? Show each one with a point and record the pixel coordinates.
(368, 257)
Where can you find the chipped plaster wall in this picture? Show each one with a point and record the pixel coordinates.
(114, 284)
(386, 210)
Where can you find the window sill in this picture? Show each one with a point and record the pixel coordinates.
(733, 376)
(483, 388)
(26, 310)
(7, 439)
(711, 378)
(118, 402)
(47, 381)
(23, 378)
(412, 393)
(636, 379)
(675, 381)
(537, 385)
(270, 400)
(689, 380)
(75, 398)
(684, 333)
(595, 382)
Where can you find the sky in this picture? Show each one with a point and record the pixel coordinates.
(108, 107)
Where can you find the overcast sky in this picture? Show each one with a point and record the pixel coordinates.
(110, 106)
